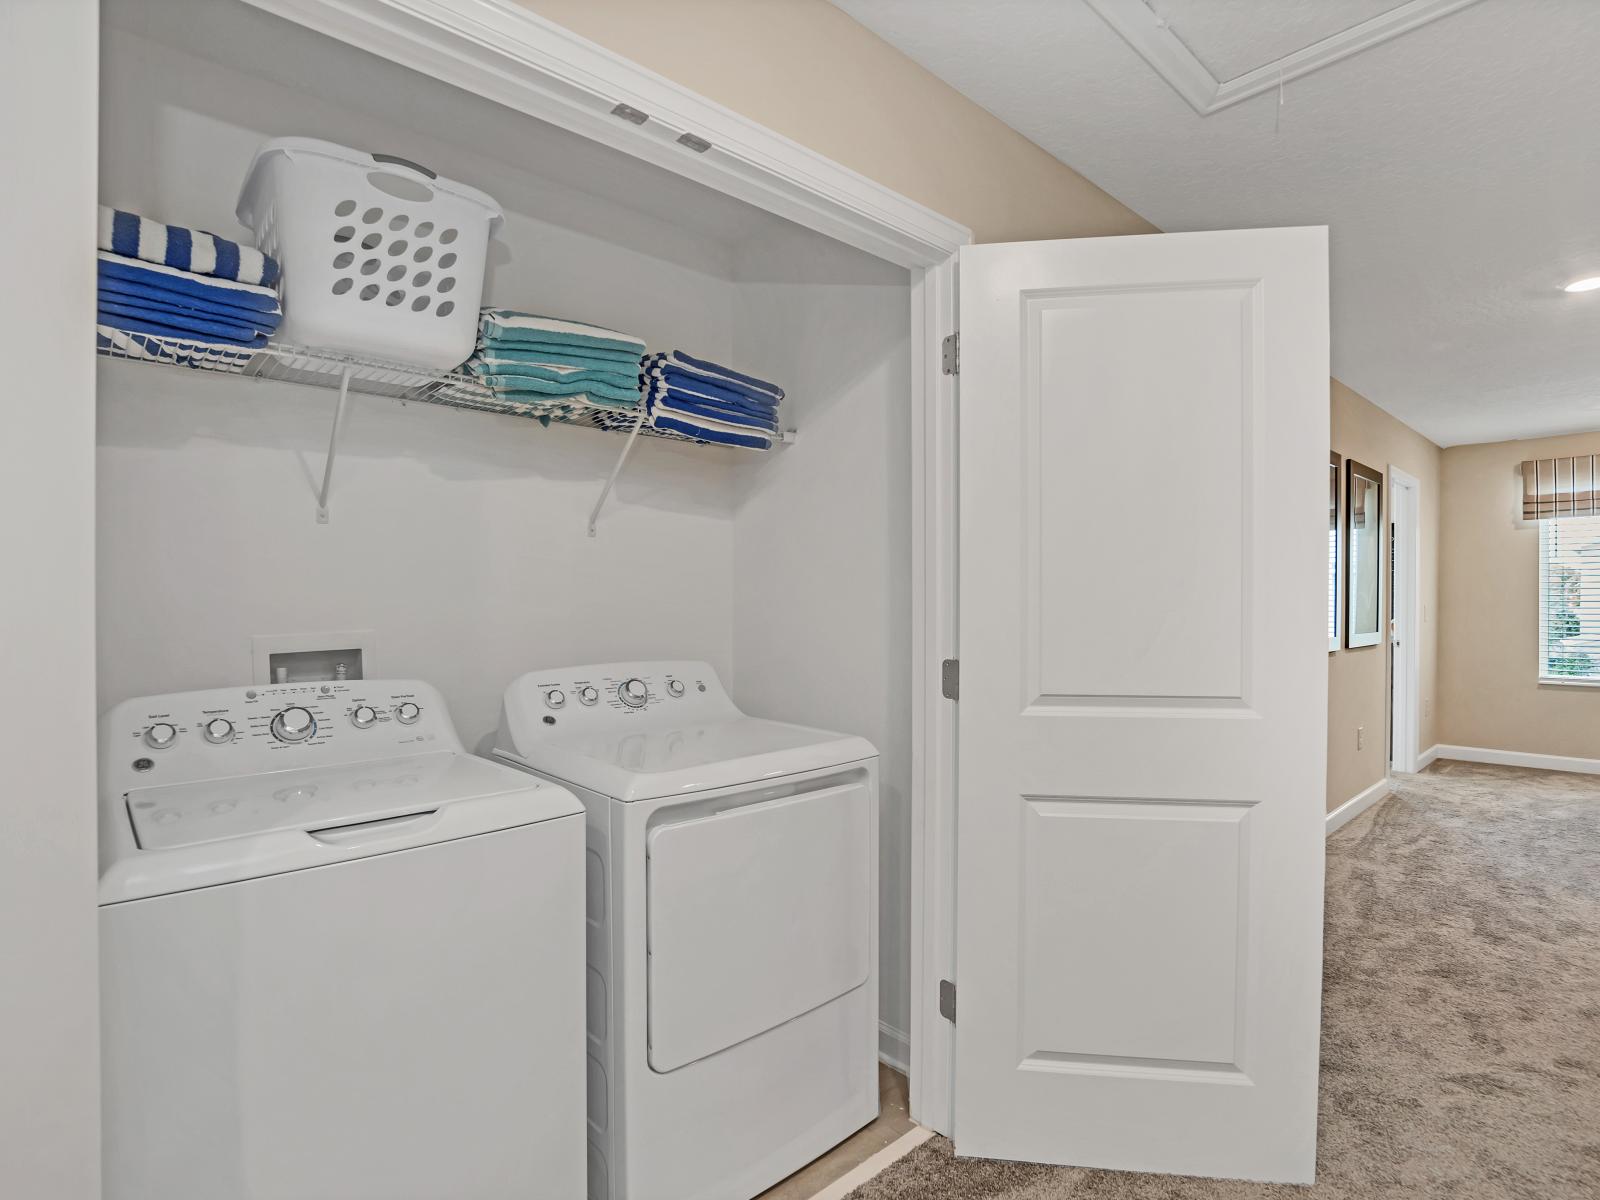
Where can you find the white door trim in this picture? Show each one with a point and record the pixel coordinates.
(934, 520)
(1405, 497)
(504, 52)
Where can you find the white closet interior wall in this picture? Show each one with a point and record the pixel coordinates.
(459, 538)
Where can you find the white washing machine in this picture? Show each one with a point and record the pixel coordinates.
(732, 925)
(340, 957)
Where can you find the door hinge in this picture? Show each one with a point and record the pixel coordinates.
(951, 348)
(950, 678)
(947, 1000)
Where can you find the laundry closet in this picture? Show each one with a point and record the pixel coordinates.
(1140, 741)
(456, 542)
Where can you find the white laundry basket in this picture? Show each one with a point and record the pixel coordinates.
(380, 256)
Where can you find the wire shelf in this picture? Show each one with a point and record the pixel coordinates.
(372, 377)
(348, 373)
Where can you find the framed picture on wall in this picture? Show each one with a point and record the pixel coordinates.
(1335, 540)
(1363, 547)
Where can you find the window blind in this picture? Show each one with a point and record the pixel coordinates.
(1554, 488)
(1569, 599)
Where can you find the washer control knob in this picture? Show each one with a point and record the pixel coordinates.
(294, 724)
(407, 712)
(160, 735)
(675, 687)
(555, 698)
(633, 692)
(363, 716)
(588, 695)
(218, 731)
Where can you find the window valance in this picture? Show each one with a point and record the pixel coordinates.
(1560, 487)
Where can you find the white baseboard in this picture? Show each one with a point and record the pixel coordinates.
(1516, 758)
(1357, 804)
(894, 1047)
(1428, 757)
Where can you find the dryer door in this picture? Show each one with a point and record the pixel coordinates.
(756, 915)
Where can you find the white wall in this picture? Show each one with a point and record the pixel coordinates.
(459, 538)
(822, 543)
(49, 1000)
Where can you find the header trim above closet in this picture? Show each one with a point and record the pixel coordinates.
(501, 51)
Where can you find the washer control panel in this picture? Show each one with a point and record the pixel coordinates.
(189, 736)
(564, 700)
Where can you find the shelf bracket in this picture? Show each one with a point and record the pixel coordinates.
(333, 447)
(611, 482)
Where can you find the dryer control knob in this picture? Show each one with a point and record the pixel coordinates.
(407, 712)
(160, 735)
(555, 698)
(218, 730)
(633, 692)
(588, 695)
(675, 686)
(363, 716)
(294, 724)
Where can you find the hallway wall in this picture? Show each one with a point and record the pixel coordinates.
(1489, 619)
(1358, 679)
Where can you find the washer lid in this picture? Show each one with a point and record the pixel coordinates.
(200, 834)
(642, 763)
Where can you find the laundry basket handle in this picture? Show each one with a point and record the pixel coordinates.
(395, 160)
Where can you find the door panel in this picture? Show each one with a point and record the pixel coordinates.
(1143, 704)
(1180, 609)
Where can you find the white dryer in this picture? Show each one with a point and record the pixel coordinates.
(732, 925)
(340, 957)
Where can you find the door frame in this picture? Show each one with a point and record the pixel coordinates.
(503, 51)
(1405, 608)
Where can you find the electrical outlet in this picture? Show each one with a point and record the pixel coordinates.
(1361, 737)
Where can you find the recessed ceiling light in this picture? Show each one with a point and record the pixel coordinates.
(1584, 285)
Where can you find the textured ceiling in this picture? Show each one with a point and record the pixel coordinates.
(1457, 165)
(1234, 36)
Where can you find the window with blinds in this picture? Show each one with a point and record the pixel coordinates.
(1569, 599)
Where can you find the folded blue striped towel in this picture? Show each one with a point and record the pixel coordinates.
(703, 389)
(725, 377)
(688, 404)
(671, 411)
(506, 325)
(131, 277)
(133, 236)
(704, 433)
(183, 323)
(202, 356)
(197, 330)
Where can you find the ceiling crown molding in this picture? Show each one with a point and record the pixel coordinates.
(1152, 37)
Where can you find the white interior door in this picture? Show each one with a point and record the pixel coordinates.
(1144, 447)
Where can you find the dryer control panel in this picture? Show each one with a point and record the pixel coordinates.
(187, 736)
(605, 695)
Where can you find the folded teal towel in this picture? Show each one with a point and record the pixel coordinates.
(490, 368)
(624, 361)
(564, 401)
(528, 385)
(503, 324)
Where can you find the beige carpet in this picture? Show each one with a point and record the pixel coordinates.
(1461, 1011)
